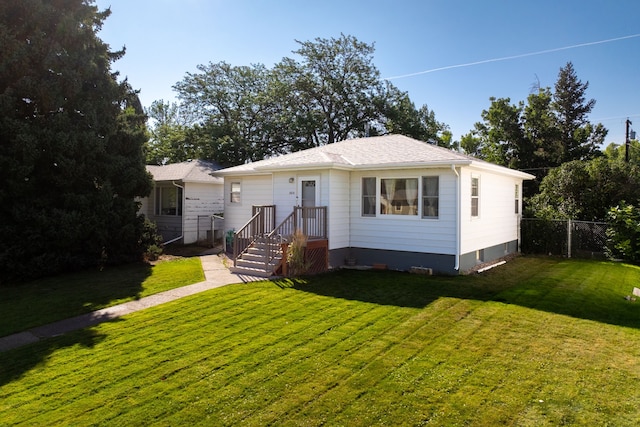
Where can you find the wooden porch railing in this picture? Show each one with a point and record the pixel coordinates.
(261, 223)
(311, 220)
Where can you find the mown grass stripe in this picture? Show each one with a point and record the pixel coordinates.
(358, 349)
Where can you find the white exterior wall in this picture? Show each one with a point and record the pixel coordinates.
(333, 191)
(497, 221)
(199, 199)
(341, 192)
(339, 209)
(255, 190)
(285, 194)
(405, 232)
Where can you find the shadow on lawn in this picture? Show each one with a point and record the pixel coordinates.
(16, 363)
(389, 287)
(523, 282)
(62, 306)
(51, 299)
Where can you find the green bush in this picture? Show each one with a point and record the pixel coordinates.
(150, 241)
(623, 234)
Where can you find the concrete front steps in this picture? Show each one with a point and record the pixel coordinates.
(252, 262)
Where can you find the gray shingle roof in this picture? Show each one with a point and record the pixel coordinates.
(191, 171)
(377, 152)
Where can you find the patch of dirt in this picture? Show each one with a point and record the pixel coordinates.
(173, 252)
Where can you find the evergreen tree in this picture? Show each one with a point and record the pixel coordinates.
(71, 159)
(579, 139)
(547, 131)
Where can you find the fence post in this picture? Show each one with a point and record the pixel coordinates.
(569, 239)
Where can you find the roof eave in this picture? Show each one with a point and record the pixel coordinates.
(413, 165)
(502, 169)
(267, 169)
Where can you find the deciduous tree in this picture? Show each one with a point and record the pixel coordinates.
(329, 92)
(585, 190)
(500, 133)
(171, 139)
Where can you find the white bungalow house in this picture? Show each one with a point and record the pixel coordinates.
(184, 197)
(388, 200)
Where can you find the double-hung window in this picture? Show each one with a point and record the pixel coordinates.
(368, 197)
(235, 192)
(517, 210)
(430, 196)
(475, 196)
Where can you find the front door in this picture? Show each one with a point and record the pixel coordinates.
(309, 195)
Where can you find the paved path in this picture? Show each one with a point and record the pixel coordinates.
(216, 275)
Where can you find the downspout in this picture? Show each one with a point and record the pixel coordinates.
(182, 220)
(458, 192)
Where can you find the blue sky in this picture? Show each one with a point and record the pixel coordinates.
(165, 39)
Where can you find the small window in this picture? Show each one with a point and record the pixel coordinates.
(517, 210)
(430, 196)
(168, 201)
(368, 197)
(235, 192)
(475, 196)
(399, 196)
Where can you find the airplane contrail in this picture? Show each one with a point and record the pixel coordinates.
(505, 58)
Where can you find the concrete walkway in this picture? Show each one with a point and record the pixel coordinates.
(216, 275)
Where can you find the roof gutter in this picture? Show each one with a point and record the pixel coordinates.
(263, 170)
(181, 221)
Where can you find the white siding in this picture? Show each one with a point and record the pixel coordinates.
(255, 190)
(333, 192)
(285, 194)
(410, 232)
(200, 199)
(497, 221)
(338, 209)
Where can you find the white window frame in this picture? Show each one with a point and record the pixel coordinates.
(423, 197)
(237, 193)
(475, 197)
(395, 210)
(373, 199)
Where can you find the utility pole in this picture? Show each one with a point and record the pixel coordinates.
(626, 146)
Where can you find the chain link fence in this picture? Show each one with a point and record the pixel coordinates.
(568, 238)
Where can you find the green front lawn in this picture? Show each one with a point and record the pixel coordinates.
(55, 298)
(535, 342)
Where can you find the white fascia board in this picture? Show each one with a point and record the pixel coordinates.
(501, 170)
(305, 166)
(429, 165)
(382, 166)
